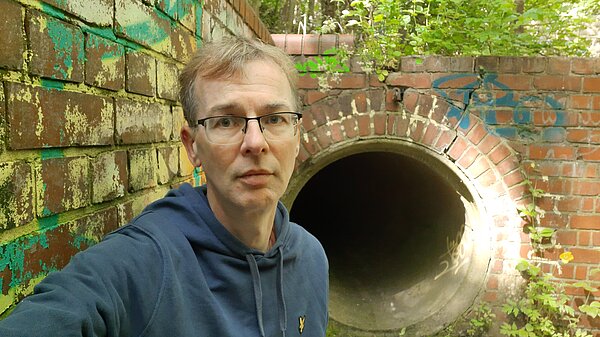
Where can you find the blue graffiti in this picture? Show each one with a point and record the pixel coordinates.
(487, 102)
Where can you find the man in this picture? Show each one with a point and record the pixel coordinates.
(218, 260)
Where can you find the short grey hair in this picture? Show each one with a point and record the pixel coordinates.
(225, 58)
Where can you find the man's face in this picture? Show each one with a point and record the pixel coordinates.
(254, 173)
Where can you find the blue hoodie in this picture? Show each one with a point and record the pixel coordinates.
(175, 271)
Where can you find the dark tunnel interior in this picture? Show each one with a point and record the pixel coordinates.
(385, 220)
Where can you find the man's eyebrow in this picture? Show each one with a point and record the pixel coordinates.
(236, 107)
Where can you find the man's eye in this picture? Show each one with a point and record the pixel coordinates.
(275, 119)
(225, 122)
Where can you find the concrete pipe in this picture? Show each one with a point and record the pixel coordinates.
(407, 242)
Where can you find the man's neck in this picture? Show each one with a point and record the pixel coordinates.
(254, 228)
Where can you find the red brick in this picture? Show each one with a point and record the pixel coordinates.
(585, 222)
(507, 64)
(360, 101)
(431, 134)
(364, 125)
(444, 140)
(585, 66)
(141, 73)
(105, 63)
(310, 44)
(411, 80)
(557, 83)
(513, 178)
(584, 237)
(580, 102)
(293, 44)
(582, 255)
(401, 126)
(379, 121)
(461, 81)
(534, 64)
(337, 135)
(468, 158)
(41, 117)
(57, 48)
(569, 204)
(346, 40)
(410, 99)
(350, 81)
(591, 84)
(589, 188)
(565, 237)
(328, 41)
(350, 127)
(590, 118)
(559, 66)
(376, 98)
(499, 154)
(313, 96)
(12, 38)
(476, 134)
(516, 82)
(480, 166)
(412, 64)
(488, 143)
(588, 153)
(555, 118)
(66, 185)
(551, 152)
(416, 130)
(306, 81)
(488, 63)
(458, 147)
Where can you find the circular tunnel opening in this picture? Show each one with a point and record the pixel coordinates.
(398, 232)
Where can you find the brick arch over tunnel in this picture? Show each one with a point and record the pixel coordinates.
(408, 199)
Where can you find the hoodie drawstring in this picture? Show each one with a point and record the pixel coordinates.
(280, 298)
(258, 293)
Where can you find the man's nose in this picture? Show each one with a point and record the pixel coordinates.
(254, 139)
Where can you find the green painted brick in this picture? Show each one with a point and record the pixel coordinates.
(97, 12)
(57, 48)
(143, 24)
(105, 65)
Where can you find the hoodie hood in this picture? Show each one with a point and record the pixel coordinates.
(204, 231)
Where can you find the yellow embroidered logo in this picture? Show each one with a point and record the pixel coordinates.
(301, 320)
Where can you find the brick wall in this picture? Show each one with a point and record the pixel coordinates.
(492, 117)
(89, 123)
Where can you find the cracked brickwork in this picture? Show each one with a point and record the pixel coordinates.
(493, 117)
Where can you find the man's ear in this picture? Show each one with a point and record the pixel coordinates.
(189, 142)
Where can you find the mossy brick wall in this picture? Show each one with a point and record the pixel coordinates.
(89, 126)
(493, 117)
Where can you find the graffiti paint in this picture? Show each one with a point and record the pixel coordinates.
(476, 94)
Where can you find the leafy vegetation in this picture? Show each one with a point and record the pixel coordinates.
(388, 29)
(543, 309)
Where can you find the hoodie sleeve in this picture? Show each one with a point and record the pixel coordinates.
(109, 289)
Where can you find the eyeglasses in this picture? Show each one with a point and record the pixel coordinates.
(224, 130)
